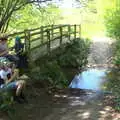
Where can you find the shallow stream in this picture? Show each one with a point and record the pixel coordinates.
(91, 78)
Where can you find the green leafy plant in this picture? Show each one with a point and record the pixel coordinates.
(6, 100)
(31, 16)
(76, 53)
(51, 74)
(114, 86)
(6, 103)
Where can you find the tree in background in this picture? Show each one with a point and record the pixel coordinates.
(32, 16)
(112, 19)
(7, 7)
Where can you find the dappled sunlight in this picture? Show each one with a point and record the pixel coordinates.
(58, 96)
(77, 102)
(107, 108)
(81, 113)
(84, 115)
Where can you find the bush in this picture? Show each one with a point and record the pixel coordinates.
(112, 22)
(51, 74)
(114, 86)
(6, 103)
(76, 53)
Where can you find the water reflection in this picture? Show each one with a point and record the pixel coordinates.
(89, 79)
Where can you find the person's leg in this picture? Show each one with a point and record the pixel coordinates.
(20, 90)
(21, 85)
(17, 87)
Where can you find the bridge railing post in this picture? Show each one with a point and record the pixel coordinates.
(27, 41)
(74, 31)
(48, 43)
(27, 46)
(41, 29)
(69, 32)
(79, 31)
(61, 35)
(52, 31)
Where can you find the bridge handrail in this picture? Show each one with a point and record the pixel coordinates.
(37, 37)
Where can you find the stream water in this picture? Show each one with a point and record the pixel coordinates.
(92, 78)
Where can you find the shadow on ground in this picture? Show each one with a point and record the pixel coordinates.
(64, 104)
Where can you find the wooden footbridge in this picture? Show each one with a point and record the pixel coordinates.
(43, 40)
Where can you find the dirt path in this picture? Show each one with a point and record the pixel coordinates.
(65, 105)
(71, 104)
(100, 52)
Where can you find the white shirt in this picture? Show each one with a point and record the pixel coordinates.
(3, 73)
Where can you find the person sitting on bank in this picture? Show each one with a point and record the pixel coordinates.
(8, 81)
(4, 51)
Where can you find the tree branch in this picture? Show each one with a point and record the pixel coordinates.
(13, 6)
(30, 2)
(40, 1)
(4, 20)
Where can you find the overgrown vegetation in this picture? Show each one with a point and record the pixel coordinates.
(112, 22)
(50, 72)
(76, 54)
(113, 85)
(6, 103)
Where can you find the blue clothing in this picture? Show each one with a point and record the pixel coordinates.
(19, 48)
(9, 86)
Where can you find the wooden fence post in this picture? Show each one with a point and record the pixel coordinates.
(79, 31)
(48, 43)
(61, 35)
(69, 31)
(28, 46)
(41, 29)
(27, 41)
(74, 31)
(52, 31)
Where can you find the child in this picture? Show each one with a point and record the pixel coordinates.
(8, 77)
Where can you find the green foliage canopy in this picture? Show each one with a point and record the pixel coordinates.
(31, 16)
(7, 7)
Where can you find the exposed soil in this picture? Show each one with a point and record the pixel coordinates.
(65, 104)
